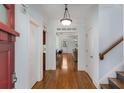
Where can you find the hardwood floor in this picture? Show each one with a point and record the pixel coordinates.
(66, 62)
(66, 76)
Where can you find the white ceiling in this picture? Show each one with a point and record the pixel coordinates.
(78, 12)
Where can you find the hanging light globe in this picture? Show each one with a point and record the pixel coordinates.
(66, 20)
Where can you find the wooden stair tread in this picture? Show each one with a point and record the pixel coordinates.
(117, 82)
(121, 73)
(105, 86)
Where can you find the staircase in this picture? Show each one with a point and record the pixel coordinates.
(115, 83)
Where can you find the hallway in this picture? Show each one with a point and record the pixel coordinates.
(66, 76)
(43, 48)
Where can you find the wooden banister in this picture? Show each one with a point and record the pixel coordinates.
(101, 55)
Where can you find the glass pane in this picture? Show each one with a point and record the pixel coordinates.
(3, 14)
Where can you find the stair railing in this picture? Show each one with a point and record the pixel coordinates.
(101, 55)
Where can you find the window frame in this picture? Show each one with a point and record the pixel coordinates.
(9, 27)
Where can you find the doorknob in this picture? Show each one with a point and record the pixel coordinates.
(14, 78)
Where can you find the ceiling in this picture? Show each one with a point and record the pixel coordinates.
(78, 12)
(80, 15)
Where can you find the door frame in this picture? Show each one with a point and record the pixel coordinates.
(40, 48)
(77, 62)
(44, 51)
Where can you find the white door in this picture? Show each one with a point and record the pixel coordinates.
(92, 54)
(90, 50)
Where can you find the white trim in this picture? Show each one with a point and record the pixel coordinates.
(94, 82)
(33, 21)
(40, 29)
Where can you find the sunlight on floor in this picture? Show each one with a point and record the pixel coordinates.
(64, 63)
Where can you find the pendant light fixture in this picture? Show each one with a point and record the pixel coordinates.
(66, 20)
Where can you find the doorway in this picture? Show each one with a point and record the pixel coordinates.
(67, 50)
(35, 73)
(44, 52)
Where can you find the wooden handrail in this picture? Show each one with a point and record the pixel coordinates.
(101, 55)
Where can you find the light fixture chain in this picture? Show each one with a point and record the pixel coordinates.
(66, 13)
(66, 18)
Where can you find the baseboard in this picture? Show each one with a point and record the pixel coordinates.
(96, 84)
(34, 85)
(92, 80)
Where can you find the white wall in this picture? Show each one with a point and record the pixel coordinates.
(23, 65)
(21, 48)
(81, 49)
(110, 30)
(51, 46)
(58, 42)
(104, 28)
(92, 52)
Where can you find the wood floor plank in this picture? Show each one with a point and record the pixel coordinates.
(66, 76)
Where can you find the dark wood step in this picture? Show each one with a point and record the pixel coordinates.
(105, 86)
(120, 75)
(116, 83)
